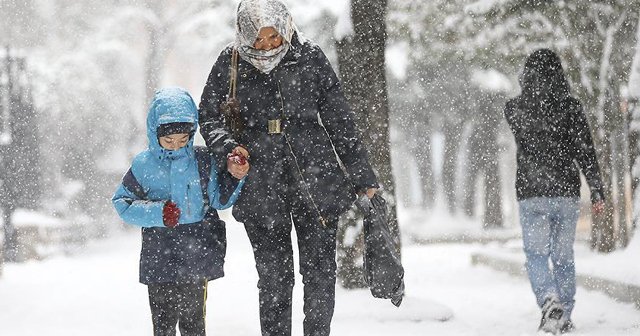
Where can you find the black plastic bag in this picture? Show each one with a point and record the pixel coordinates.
(382, 266)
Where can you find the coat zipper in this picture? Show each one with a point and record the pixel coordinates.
(188, 203)
(295, 160)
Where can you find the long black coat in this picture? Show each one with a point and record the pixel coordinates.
(305, 92)
(553, 142)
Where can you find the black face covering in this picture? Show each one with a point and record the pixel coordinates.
(175, 128)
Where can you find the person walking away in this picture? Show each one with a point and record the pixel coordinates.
(554, 144)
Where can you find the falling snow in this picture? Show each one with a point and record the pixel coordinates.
(77, 77)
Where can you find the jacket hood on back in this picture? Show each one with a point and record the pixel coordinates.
(170, 105)
(543, 78)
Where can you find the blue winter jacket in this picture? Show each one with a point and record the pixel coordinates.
(195, 249)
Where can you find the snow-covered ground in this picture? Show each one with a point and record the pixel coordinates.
(437, 225)
(96, 293)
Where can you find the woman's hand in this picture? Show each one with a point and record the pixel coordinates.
(597, 208)
(370, 192)
(238, 163)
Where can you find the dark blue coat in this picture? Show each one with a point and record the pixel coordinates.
(305, 92)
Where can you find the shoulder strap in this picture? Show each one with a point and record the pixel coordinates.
(204, 169)
(131, 183)
(233, 74)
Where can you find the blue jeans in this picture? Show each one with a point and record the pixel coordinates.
(548, 232)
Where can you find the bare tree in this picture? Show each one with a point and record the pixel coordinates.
(482, 161)
(361, 59)
(159, 23)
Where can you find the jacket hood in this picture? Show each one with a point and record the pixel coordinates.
(170, 105)
(543, 77)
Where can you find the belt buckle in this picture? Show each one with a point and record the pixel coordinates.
(274, 126)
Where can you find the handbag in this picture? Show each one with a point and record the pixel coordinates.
(231, 106)
(383, 269)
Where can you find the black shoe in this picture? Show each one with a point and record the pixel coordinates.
(552, 312)
(567, 327)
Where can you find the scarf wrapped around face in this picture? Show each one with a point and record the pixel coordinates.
(256, 14)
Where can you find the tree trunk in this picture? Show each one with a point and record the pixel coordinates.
(634, 155)
(621, 168)
(471, 177)
(361, 59)
(452, 137)
(158, 38)
(482, 163)
(20, 173)
(154, 62)
(633, 109)
(603, 226)
(614, 68)
(424, 163)
(493, 217)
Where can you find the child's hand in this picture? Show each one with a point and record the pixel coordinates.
(170, 214)
(237, 163)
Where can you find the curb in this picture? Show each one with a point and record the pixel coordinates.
(462, 239)
(618, 291)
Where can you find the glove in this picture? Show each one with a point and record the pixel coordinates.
(170, 214)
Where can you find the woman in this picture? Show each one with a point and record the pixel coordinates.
(292, 121)
(553, 144)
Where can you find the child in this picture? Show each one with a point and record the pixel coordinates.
(171, 191)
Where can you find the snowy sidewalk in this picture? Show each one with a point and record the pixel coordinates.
(96, 293)
(615, 274)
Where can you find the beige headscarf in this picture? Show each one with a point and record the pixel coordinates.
(255, 14)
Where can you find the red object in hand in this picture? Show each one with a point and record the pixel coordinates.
(598, 207)
(237, 157)
(170, 214)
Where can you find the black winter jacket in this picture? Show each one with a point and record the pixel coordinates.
(305, 92)
(553, 142)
